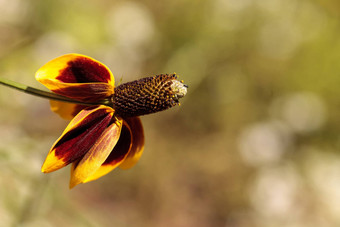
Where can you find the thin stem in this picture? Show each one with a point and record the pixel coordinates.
(46, 94)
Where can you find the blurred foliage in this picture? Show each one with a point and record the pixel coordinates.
(254, 143)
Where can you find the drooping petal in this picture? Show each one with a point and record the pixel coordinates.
(96, 156)
(117, 156)
(137, 143)
(66, 110)
(78, 77)
(78, 137)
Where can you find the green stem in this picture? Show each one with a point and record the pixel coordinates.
(46, 94)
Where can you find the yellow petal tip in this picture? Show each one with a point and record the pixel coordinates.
(52, 163)
(73, 184)
(75, 178)
(74, 181)
(43, 170)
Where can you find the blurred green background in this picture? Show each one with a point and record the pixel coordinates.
(256, 141)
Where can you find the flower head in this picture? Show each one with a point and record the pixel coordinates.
(105, 130)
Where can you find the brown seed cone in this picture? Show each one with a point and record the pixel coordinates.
(147, 95)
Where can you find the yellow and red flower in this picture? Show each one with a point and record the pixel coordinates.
(105, 130)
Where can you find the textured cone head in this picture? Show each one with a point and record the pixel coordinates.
(148, 95)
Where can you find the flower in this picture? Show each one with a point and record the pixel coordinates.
(105, 130)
